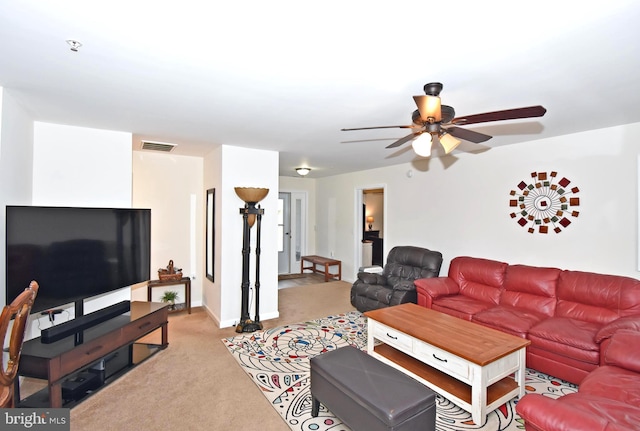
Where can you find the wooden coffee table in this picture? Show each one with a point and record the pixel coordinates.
(475, 367)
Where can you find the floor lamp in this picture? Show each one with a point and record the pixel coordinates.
(250, 214)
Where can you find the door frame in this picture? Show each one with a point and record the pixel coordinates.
(294, 263)
(357, 227)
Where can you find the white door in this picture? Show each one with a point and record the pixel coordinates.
(284, 233)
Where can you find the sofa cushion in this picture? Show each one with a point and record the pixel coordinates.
(625, 416)
(531, 288)
(512, 320)
(598, 298)
(481, 279)
(613, 382)
(541, 412)
(460, 306)
(567, 337)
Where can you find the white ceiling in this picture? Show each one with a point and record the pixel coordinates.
(288, 75)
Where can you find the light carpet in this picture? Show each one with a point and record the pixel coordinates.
(277, 360)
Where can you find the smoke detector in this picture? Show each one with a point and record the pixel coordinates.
(158, 146)
(74, 44)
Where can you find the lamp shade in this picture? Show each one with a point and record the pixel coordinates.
(422, 145)
(251, 195)
(448, 142)
(429, 108)
(369, 219)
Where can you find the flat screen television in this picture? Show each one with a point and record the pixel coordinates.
(75, 253)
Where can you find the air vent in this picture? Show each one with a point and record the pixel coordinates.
(157, 146)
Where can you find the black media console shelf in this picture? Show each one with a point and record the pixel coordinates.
(79, 324)
(107, 350)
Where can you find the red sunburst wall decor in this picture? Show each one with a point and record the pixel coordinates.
(544, 203)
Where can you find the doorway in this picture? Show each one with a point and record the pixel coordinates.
(371, 223)
(292, 230)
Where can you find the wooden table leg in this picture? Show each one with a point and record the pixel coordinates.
(55, 395)
(188, 294)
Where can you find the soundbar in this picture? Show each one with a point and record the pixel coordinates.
(58, 332)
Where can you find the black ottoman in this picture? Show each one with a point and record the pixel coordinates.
(369, 395)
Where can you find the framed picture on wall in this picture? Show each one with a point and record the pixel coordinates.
(210, 232)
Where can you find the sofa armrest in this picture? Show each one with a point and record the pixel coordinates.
(372, 278)
(429, 289)
(547, 414)
(626, 322)
(622, 351)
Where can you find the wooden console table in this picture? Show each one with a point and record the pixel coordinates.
(325, 262)
(184, 280)
(60, 361)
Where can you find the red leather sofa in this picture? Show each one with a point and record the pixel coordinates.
(608, 399)
(569, 316)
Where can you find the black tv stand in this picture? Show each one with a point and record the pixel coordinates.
(63, 363)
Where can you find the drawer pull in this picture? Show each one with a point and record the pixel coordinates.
(391, 336)
(144, 325)
(94, 350)
(439, 359)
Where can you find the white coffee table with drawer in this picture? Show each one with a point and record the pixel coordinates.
(475, 367)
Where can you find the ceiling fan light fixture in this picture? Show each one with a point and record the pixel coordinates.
(422, 145)
(429, 108)
(303, 171)
(433, 108)
(448, 142)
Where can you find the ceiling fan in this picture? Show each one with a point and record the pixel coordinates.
(432, 120)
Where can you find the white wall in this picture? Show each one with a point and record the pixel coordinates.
(212, 290)
(228, 167)
(16, 154)
(78, 166)
(172, 187)
(464, 209)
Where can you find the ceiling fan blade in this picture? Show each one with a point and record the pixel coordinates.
(413, 126)
(468, 135)
(429, 107)
(405, 139)
(507, 114)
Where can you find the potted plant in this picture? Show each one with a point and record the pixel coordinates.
(170, 297)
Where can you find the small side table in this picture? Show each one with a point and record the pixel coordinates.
(184, 280)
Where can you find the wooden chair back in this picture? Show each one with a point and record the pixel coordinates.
(18, 311)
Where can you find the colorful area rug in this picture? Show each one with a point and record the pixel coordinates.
(277, 360)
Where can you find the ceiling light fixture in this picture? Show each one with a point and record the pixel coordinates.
(74, 44)
(303, 171)
(422, 145)
(448, 142)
